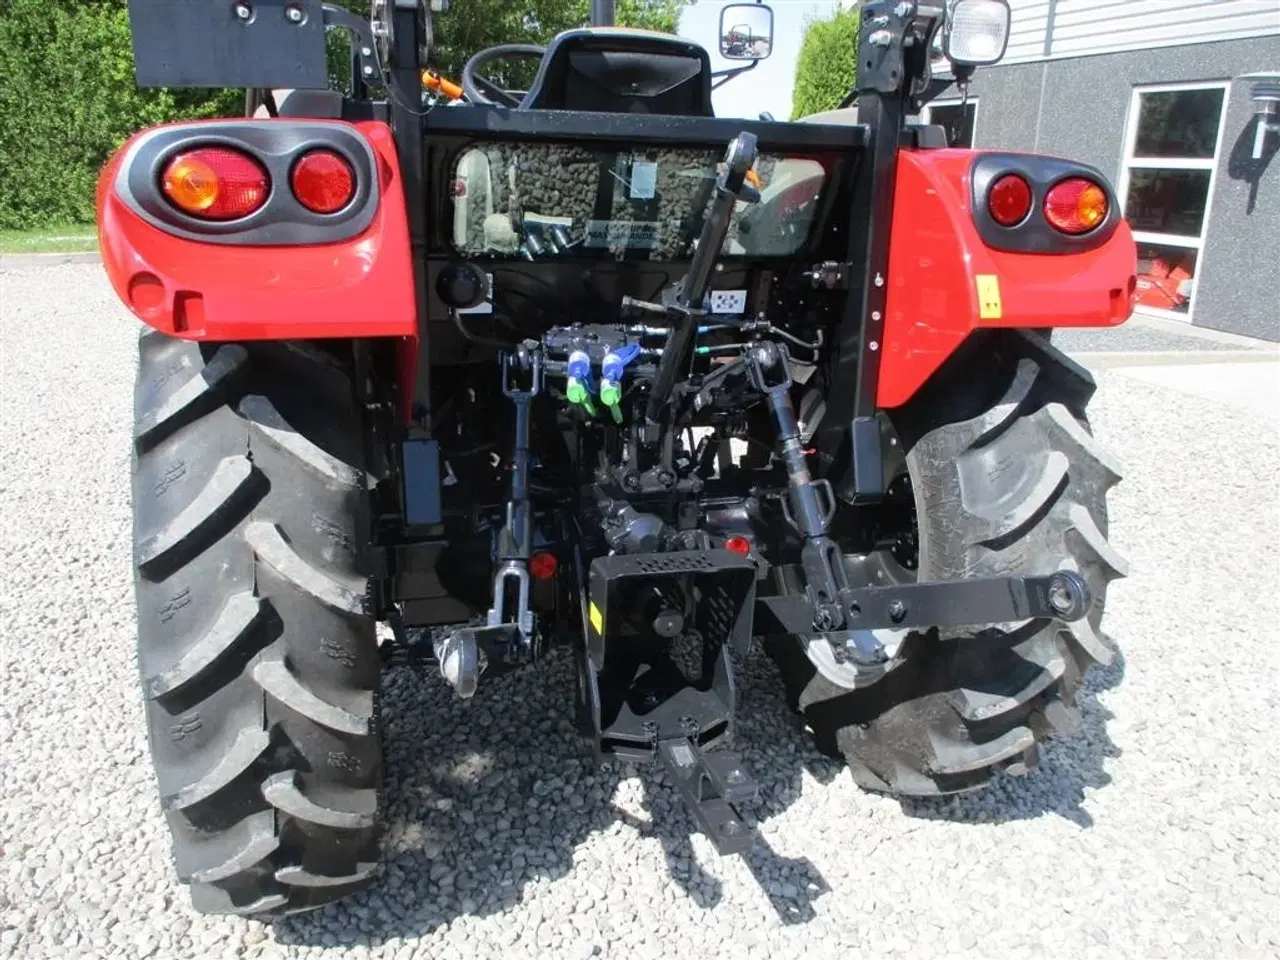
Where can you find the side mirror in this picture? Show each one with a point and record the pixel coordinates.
(746, 31)
(976, 32)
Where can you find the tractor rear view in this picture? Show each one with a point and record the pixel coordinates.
(586, 366)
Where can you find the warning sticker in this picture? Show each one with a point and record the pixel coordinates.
(597, 618)
(989, 306)
(630, 234)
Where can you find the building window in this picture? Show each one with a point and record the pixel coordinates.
(956, 118)
(1171, 151)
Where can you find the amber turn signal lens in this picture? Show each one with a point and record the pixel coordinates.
(1009, 200)
(215, 183)
(1075, 206)
(323, 182)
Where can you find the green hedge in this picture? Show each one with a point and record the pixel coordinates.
(827, 65)
(68, 99)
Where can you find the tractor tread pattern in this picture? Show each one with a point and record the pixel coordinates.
(257, 656)
(1018, 488)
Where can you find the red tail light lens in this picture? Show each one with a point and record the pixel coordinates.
(1075, 206)
(1009, 200)
(215, 183)
(323, 182)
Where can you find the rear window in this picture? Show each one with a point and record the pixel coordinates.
(547, 200)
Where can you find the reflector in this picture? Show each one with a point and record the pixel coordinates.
(1009, 200)
(543, 565)
(215, 183)
(323, 181)
(1075, 206)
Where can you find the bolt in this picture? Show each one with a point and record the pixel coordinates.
(875, 314)
(666, 479)
(732, 828)
(366, 52)
(368, 71)
(1060, 596)
(293, 14)
(897, 611)
(873, 346)
(823, 619)
(879, 280)
(880, 38)
(735, 776)
(244, 11)
(904, 10)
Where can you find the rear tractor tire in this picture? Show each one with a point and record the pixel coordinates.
(257, 654)
(1007, 480)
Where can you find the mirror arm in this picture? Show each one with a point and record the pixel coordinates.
(721, 77)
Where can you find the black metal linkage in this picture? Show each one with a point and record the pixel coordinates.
(961, 603)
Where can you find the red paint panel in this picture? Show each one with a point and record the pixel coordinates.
(358, 288)
(936, 257)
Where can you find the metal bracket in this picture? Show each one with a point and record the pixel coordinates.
(366, 49)
(830, 274)
(1060, 596)
(711, 783)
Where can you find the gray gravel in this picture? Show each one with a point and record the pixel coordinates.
(1133, 337)
(1152, 833)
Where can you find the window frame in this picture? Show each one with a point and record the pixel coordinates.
(926, 114)
(1129, 163)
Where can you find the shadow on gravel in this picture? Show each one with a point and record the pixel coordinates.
(492, 799)
(1069, 766)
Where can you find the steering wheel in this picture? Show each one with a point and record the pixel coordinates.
(481, 89)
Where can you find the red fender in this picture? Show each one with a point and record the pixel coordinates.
(945, 282)
(357, 288)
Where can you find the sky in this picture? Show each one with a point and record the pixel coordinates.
(767, 87)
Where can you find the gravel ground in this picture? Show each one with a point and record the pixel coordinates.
(1153, 832)
(1134, 338)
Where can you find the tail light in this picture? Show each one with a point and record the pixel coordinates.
(1009, 200)
(1075, 206)
(323, 181)
(215, 183)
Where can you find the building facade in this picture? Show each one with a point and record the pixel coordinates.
(1158, 95)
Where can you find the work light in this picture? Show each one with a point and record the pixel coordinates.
(977, 32)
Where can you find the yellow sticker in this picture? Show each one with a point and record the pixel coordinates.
(989, 306)
(597, 618)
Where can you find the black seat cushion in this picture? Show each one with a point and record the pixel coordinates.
(610, 70)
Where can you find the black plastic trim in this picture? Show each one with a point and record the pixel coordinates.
(277, 145)
(1034, 234)
(502, 123)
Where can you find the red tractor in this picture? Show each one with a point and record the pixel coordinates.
(586, 366)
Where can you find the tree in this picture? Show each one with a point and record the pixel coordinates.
(67, 100)
(68, 97)
(827, 65)
(472, 25)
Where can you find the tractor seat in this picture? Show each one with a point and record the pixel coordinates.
(612, 70)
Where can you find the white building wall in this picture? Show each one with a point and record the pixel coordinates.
(1052, 29)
